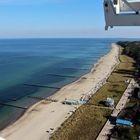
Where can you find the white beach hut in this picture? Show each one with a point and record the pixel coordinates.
(109, 102)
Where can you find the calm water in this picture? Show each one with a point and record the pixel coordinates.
(38, 67)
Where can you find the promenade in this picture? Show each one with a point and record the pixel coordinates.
(121, 104)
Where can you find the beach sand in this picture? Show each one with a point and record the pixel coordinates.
(44, 117)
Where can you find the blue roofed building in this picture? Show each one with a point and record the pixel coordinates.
(124, 122)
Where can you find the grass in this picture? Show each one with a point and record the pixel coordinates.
(115, 86)
(112, 90)
(87, 121)
(81, 125)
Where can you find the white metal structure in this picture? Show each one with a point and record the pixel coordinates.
(2, 138)
(122, 13)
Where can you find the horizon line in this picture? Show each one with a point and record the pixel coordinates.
(68, 38)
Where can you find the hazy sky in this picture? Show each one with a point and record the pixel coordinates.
(57, 18)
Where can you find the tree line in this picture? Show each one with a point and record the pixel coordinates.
(132, 49)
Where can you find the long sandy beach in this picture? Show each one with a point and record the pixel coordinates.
(44, 117)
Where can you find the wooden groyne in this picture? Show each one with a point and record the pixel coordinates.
(77, 68)
(69, 76)
(16, 106)
(43, 98)
(94, 56)
(42, 86)
(87, 64)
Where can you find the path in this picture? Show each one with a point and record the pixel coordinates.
(121, 104)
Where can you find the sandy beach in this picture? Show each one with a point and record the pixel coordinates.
(44, 118)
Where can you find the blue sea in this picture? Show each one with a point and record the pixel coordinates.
(31, 68)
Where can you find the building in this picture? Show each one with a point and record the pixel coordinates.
(85, 98)
(109, 102)
(70, 102)
(124, 122)
(73, 102)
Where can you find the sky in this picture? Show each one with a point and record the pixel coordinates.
(57, 18)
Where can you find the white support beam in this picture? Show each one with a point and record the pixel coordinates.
(129, 5)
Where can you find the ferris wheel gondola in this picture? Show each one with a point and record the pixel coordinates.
(122, 13)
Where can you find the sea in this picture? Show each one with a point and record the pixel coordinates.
(33, 69)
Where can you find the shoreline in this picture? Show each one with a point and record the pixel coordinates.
(54, 114)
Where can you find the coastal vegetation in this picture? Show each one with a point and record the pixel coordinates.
(132, 109)
(132, 49)
(88, 120)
